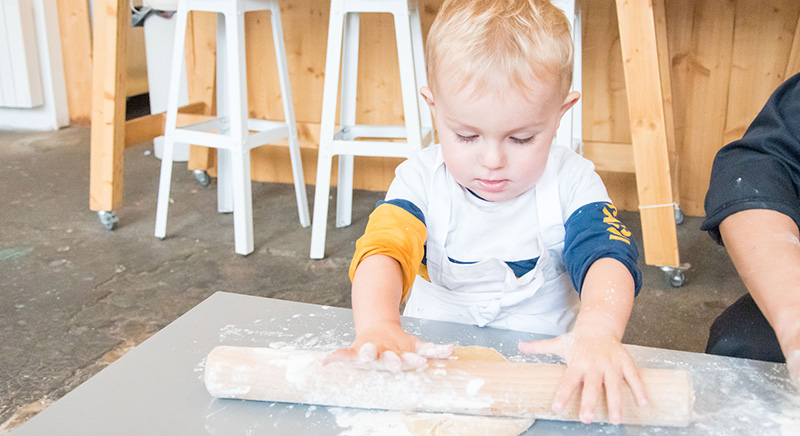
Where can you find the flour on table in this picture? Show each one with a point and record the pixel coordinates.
(447, 424)
(357, 422)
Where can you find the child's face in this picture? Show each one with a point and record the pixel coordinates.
(496, 141)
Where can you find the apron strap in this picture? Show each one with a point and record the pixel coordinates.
(548, 204)
(438, 218)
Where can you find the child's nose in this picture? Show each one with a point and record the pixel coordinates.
(493, 156)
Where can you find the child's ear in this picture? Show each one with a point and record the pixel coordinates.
(569, 101)
(427, 95)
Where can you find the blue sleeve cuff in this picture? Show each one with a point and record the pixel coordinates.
(413, 210)
(594, 232)
(407, 206)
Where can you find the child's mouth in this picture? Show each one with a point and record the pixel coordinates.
(492, 185)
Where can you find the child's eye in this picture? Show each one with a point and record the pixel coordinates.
(463, 138)
(521, 140)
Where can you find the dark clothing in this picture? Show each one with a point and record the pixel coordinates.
(594, 232)
(742, 331)
(759, 171)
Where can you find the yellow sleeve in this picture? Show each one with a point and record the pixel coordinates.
(394, 232)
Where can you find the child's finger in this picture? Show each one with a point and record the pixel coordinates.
(634, 379)
(368, 353)
(413, 361)
(545, 346)
(390, 361)
(614, 397)
(569, 383)
(793, 365)
(591, 391)
(430, 350)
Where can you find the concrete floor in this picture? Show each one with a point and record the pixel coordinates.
(75, 296)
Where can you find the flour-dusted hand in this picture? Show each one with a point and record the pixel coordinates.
(793, 365)
(595, 358)
(390, 349)
(381, 343)
(593, 349)
(366, 357)
(429, 350)
(788, 331)
(406, 361)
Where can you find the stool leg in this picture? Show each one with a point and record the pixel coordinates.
(240, 152)
(576, 143)
(224, 187)
(288, 113)
(347, 118)
(162, 205)
(327, 126)
(408, 82)
(419, 67)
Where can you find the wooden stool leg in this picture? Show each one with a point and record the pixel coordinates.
(288, 112)
(327, 126)
(171, 122)
(108, 105)
(648, 132)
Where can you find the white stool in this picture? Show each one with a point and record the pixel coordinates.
(232, 138)
(343, 52)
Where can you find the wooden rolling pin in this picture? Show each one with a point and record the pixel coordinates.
(523, 390)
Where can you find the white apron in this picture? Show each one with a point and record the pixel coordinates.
(488, 293)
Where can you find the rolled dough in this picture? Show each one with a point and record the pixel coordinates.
(475, 352)
(448, 424)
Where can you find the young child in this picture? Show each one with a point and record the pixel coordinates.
(493, 226)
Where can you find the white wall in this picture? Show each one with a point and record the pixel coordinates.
(53, 114)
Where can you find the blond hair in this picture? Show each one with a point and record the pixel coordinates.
(510, 41)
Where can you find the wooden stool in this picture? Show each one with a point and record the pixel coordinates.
(229, 132)
(343, 52)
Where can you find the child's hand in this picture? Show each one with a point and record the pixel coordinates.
(389, 348)
(793, 365)
(790, 345)
(595, 358)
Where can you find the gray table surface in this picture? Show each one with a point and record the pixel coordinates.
(157, 388)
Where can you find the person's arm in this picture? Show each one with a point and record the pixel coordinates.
(383, 269)
(765, 249)
(593, 349)
(381, 342)
(376, 294)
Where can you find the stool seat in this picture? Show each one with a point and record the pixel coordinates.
(342, 54)
(230, 131)
(221, 6)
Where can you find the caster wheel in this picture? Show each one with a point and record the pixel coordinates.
(676, 275)
(202, 177)
(676, 278)
(107, 219)
(678, 215)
